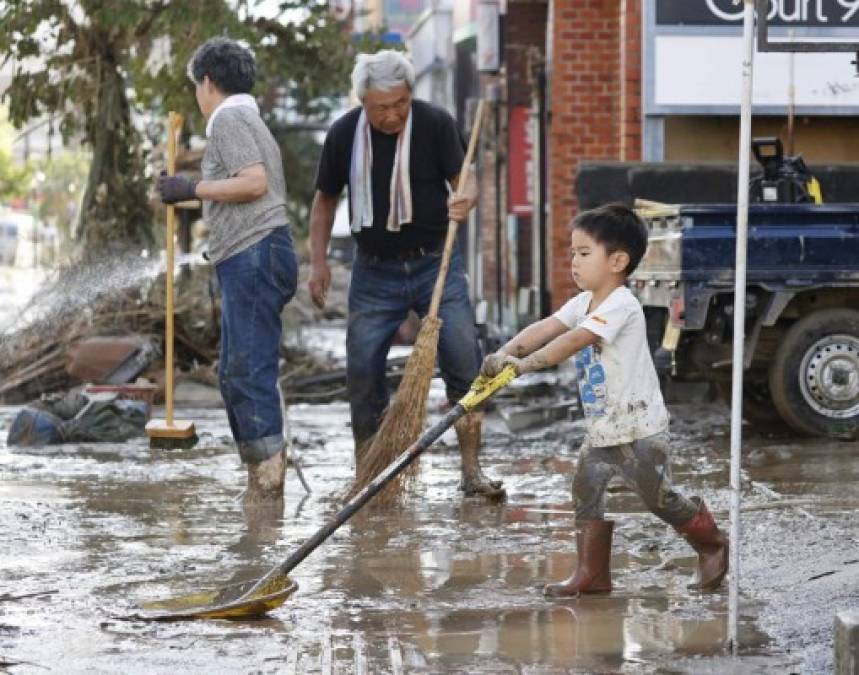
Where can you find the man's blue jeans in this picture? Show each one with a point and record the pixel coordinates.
(256, 284)
(380, 296)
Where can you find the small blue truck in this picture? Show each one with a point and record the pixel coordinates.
(802, 330)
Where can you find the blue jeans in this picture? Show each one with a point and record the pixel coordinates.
(256, 284)
(380, 296)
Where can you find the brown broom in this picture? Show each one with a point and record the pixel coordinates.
(404, 418)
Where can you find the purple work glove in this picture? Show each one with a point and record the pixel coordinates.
(175, 189)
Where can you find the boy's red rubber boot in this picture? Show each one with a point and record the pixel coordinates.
(711, 545)
(593, 571)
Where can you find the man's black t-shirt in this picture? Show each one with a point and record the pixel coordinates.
(437, 152)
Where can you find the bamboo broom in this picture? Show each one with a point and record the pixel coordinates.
(170, 433)
(405, 416)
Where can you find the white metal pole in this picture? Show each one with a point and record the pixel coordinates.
(791, 97)
(740, 318)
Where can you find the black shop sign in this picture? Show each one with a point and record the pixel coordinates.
(799, 13)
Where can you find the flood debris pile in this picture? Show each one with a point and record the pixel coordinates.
(48, 352)
(105, 323)
(78, 417)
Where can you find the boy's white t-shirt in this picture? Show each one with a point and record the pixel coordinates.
(618, 384)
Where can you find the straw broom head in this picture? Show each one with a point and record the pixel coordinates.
(403, 421)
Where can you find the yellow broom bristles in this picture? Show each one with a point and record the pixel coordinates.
(403, 420)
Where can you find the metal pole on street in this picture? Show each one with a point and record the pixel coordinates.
(740, 317)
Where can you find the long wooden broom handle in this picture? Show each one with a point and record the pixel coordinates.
(174, 127)
(452, 225)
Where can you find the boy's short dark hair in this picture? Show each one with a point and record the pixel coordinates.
(230, 67)
(618, 228)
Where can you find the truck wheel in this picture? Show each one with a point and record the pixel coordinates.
(814, 377)
(758, 410)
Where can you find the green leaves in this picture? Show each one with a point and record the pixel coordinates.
(94, 66)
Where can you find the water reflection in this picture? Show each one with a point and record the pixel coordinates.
(459, 609)
(443, 584)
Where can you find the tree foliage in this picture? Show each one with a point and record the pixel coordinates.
(64, 177)
(15, 178)
(101, 70)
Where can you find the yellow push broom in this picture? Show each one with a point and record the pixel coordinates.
(170, 433)
(406, 413)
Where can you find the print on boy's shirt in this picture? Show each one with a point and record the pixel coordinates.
(592, 386)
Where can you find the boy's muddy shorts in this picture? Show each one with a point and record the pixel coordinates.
(644, 465)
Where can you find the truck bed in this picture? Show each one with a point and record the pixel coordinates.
(790, 245)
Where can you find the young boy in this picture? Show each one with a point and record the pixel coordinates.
(603, 329)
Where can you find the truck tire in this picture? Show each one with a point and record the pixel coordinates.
(758, 409)
(814, 376)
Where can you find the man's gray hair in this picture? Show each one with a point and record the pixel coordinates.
(381, 71)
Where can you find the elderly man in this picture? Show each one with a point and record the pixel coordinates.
(400, 159)
(244, 202)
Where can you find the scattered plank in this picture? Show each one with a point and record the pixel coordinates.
(8, 597)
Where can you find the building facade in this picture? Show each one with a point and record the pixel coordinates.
(574, 82)
(570, 83)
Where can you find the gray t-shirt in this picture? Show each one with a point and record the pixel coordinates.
(241, 139)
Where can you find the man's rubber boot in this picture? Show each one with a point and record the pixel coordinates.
(266, 479)
(593, 570)
(711, 545)
(474, 481)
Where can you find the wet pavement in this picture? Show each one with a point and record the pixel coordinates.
(444, 584)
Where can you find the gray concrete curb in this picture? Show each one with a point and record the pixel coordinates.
(847, 642)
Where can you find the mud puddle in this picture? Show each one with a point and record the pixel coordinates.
(442, 585)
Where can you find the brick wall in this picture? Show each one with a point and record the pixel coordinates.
(630, 84)
(525, 32)
(596, 107)
(595, 104)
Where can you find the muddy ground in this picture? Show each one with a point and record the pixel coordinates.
(445, 584)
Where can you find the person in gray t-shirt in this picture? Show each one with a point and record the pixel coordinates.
(244, 203)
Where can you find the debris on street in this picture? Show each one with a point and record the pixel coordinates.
(81, 417)
(114, 337)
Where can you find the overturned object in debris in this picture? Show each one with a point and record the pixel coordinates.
(537, 400)
(111, 359)
(79, 417)
(538, 414)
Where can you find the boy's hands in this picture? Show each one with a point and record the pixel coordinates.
(530, 345)
(495, 363)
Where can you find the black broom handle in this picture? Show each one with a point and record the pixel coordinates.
(358, 501)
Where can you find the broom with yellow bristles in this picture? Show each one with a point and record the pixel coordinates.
(404, 418)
